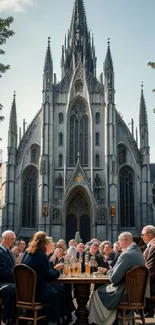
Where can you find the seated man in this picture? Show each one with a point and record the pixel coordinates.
(148, 235)
(7, 288)
(104, 301)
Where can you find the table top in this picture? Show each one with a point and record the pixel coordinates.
(83, 279)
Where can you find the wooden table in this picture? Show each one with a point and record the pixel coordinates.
(82, 293)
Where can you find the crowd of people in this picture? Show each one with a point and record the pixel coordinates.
(49, 260)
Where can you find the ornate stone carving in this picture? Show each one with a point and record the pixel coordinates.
(55, 214)
(79, 109)
(78, 86)
(98, 181)
(78, 178)
(102, 216)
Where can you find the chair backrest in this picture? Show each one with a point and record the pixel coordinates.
(136, 281)
(25, 281)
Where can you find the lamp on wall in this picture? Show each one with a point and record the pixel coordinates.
(112, 211)
(45, 210)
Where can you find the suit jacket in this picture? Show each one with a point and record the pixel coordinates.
(111, 295)
(149, 257)
(6, 266)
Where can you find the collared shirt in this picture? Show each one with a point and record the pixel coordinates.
(3, 247)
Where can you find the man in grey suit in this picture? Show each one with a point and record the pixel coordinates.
(104, 301)
(7, 288)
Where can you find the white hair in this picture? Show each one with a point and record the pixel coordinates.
(6, 233)
(150, 230)
(126, 235)
(71, 252)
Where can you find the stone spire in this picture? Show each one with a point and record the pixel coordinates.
(48, 71)
(48, 66)
(143, 128)
(79, 47)
(13, 117)
(108, 65)
(143, 122)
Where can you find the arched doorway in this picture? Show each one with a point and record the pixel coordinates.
(78, 216)
(85, 228)
(71, 226)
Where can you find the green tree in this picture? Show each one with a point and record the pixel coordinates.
(5, 33)
(152, 65)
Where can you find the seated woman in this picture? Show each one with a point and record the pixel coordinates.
(58, 256)
(107, 258)
(53, 297)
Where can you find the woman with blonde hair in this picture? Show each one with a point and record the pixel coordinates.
(53, 296)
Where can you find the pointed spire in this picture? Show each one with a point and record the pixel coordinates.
(48, 66)
(13, 116)
(79, 49)
(143, 113)
(108, 65)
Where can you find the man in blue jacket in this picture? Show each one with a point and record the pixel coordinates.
(7, 288)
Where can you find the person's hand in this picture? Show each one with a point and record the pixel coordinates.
(102, 270)
(59, 266)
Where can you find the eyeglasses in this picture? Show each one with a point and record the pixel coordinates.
(142, 235)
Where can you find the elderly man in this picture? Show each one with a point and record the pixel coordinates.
(148, 235)
(7, 289)
(104, 301)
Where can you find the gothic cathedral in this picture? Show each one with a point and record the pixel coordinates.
(78, 167)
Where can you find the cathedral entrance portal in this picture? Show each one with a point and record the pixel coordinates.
(78, 217)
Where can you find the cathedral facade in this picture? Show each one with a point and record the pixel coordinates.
(77, 166)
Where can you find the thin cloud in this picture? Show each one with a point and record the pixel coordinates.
(15, 5)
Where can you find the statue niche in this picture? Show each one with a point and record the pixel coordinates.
(78, 86)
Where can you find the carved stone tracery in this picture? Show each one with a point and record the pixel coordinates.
(79, 109)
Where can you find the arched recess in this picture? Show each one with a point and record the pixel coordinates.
(127, 197)
(79, 205)
(29, 197)
(35, 154)
(78, 130)
(71, 226)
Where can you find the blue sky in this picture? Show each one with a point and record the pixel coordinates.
(130, 26)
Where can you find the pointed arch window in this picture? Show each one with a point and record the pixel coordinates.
(127, 214)
(97, 160)
(60, 160)
(78, 134)
(97, 118)
(84, 140)
(60, 139)
(61, 118)
(97, 139)
(29, 198)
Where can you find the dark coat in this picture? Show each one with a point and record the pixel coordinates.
(6, 266)
(110, 262)
(7, 288)
(149, 257)
(53, 297)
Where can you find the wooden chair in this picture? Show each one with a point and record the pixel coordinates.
(136, 281)
(25, 281)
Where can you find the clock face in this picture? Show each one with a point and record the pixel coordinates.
(79, 178)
